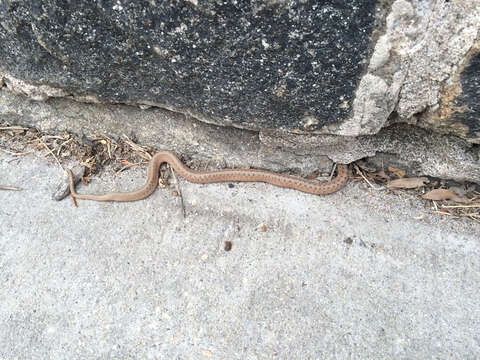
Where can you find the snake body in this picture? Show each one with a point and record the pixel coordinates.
(226, 175)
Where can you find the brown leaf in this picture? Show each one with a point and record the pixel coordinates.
(407, 183)
(444, 194)
(400, 173)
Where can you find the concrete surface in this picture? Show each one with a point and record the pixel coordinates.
(355, 275)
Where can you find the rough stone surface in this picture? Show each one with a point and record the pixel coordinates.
(220, 146)
(440, 44)
(63, 185)
(258, 64)
(427, 153)
(296, 66)
(283, 70)
(467, 102)
(358, 274)
(419, 151)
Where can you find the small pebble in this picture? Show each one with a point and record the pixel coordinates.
(63, 188)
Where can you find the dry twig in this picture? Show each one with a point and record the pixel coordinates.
(7, 128)
(63, 144)
(15, 153)
(51, 152)
(333, 171)
(460, 206)
(141, 150)
(128, 165)
(178, 191)
(14, 188)
(359, 171)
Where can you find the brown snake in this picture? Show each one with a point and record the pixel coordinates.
(244, 175)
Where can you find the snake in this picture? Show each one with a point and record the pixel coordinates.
(224, 175)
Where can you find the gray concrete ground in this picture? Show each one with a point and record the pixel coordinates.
(355, 275)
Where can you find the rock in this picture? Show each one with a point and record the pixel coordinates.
(63, 186)
(419, 151)
(291, 65)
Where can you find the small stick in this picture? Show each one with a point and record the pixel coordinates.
(16, 153)
(472, 216)
(441, 213)
(58, 137)
(178, 191)
(51, 152)
(461, 206)
(141, 150)
(333, 171)
(368, 182)
(129, 165)
(207, 165)
(62, 145)
(15, 188)
(109, 149)
(6, 128)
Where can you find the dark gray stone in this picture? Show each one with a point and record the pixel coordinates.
(468, 100)
(253, 64)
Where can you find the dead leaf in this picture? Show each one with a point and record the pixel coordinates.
(400, 173)
(407, 183)
(444, 194)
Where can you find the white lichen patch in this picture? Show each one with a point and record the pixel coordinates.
(421, 50)
(34, 92)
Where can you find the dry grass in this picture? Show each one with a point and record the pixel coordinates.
(122, 153)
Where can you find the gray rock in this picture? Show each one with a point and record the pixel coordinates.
(165, 130)
(439, 49)
(466, 105)
(63, 186)
(250, 64)
(295, 66)
(419, 151)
